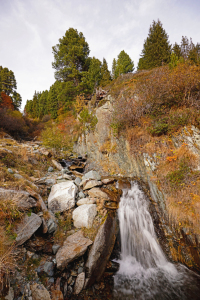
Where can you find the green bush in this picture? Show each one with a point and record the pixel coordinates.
(88, 120)
(177, 177)
(54, 138)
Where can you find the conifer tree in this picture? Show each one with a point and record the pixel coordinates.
(105, 74)
(70, 56)
(114, 66)
(177, 50)
(124, 64)
(52, 102)
(156, 49)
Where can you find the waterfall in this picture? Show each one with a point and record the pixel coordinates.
(145, 273)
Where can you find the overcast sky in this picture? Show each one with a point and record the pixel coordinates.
(29, 29)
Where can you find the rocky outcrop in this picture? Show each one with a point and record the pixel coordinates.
(114, 155)
(62, 196)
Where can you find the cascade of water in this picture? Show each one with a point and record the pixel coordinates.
(144, 272)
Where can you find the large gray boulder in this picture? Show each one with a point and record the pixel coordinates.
(62, 196)
(27, 228)
(22, 199)
(74, 246)
(84, 215)
(101, 250)
(91, 175)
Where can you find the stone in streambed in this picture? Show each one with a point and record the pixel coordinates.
(84, 215)
(62, 196)
(91, 175)
(74, 246)
(92, 183)
(98, 193)
(86, 201)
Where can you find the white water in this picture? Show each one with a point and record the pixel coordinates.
(145, 273)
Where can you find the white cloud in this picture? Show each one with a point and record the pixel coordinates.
(30, 28)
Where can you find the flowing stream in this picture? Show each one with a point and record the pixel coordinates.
(145, 273)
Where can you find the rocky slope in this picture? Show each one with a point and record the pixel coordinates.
(64, 225)
(158, 164)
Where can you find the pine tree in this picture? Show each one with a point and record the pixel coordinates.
(177, 50)
(52, 102)
(124, 64)
(70, 56)
(156, 49)
(105, 74)
(114, 66)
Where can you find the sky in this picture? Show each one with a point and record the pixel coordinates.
(29, 29)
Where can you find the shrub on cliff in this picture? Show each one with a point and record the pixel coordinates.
(157, 92)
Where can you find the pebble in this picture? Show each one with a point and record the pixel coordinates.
(10, 171)
(50, 169)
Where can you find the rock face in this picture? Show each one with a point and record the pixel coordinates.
(39, 292)
(62, 196)
(74, 246)
(27, 228)
(101, 249)
(23, 200)
(98, 193)
(84, 215)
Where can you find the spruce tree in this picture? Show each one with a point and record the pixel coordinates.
(105, 74)
(156, 49)
(114, 66)
(124, 64)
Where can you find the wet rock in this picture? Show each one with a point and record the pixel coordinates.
(112, 266)
(101, 249)
(62, 196)
(77, 181)
(92, 183)
(84, 215)
(92, 175)
(27, 228)
(98, 193)
(81, 195)
(39, 292)
(55, 248)
(86, 201)
(80, 270)
(108, 180)
(65, 289)
(50, 169)
(74, 247)
(23, 200)
(52, 226)
(80, 280)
